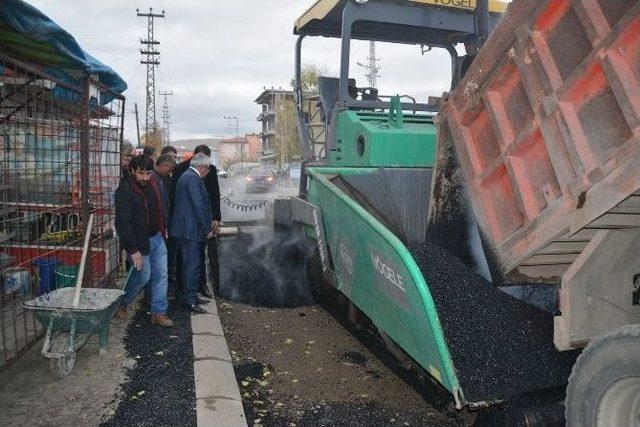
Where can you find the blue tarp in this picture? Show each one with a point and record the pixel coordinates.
(30, 22)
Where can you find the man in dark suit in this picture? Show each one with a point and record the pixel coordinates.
(211, 184)
(191, 226)
(162, 171)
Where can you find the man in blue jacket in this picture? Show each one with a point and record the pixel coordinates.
(191, 226)
(211, 184)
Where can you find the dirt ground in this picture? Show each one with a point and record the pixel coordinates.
(31, 396)
(300, 366)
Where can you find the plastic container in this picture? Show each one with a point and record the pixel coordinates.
(46, 271)
(15, 279)
(5, 260)
(66, 276)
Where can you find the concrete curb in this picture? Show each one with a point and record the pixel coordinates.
(218, 401)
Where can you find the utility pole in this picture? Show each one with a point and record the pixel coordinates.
(150, 58)
(372, 66)
(233, 127)
(137, 124)
(166, 118)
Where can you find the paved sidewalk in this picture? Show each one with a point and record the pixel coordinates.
(31, 396)
(218, 398)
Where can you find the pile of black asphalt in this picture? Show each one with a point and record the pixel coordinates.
(502, 348)
(160, 386)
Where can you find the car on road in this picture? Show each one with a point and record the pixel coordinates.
(294, 172)
(260, 179)
(222, 173)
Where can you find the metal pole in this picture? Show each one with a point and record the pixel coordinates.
(151, 61)
(347, 23)
(166, 118)
(137, 124)
(455, 74)
(235, 130)
(241, 146)
(303, 136)
(122, 110)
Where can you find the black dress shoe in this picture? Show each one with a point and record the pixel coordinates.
(196, 309)
(206, 292)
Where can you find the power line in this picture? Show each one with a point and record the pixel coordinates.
(137, 124)
(234, 128)
(372, 66)
(150, 59)
(166, 122)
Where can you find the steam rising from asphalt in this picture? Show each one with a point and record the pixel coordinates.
(262, 266)
(265, 267)
(232, 186)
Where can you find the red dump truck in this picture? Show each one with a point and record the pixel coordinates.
(546, 129)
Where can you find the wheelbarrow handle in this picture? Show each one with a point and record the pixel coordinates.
(126, 280)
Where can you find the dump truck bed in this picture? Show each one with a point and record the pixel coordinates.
(546, 125)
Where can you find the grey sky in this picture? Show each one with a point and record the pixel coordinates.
(216, 56)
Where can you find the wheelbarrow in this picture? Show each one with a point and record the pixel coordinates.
(72, 315)
(68, 327)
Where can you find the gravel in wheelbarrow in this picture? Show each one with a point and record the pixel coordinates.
(62, 299)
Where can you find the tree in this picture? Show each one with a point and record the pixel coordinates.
(286, 145)
(309, 78)
(153, 138)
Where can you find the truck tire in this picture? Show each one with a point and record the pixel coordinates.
(604, 387)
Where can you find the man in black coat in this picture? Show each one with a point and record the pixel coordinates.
(162, 171)
(213, 189)
(142, 228)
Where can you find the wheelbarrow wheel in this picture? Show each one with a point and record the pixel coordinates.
(61, 366)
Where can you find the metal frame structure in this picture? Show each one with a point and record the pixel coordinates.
(59, 162)
(384, 21)
(392, 22)
(151, 56)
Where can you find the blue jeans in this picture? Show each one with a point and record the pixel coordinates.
(154, 274)
(191, 253)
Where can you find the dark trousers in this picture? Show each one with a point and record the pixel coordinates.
(172, 261)
(214, 268)
(191, 255)
(210, 250)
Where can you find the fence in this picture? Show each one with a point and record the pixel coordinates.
(59, 162)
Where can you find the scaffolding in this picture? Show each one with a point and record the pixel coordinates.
(315, 125)
(59, 162)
